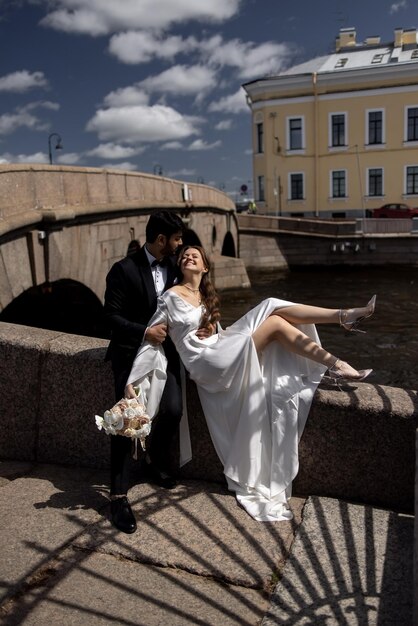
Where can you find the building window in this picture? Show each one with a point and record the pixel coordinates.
(341, 62)
(296, 186)
(295, 134)
(338, 130)
(412, 180)
(375, 127)
(414, 54)
(260, 137)
(338, 184)
(377, 58)
(412, 124)
(375, 181)
(260, 188)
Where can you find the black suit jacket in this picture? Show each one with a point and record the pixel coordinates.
(130, 302)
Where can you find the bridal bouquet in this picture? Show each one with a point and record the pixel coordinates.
(127, 418)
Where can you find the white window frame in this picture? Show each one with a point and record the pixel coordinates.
(377, 167)
(330, 116)
(406, 142)
(406, 194)
(367, 138)
(331, 186)
(289, 187)
(288, 147)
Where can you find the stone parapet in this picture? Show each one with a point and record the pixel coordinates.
(359, 442)
(36, 193)
(416, 538)
(229, 272)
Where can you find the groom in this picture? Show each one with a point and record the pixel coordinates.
(132, 287)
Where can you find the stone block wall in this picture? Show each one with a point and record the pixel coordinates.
(359, 443)
(416, 539)
(229, 273)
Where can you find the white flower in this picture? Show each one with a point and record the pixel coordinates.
(127, 417)
(113, 418)
(140, 410)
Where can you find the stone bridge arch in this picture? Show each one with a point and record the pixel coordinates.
(68, 223)
(64, 305)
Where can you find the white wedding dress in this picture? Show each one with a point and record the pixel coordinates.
(255, 405)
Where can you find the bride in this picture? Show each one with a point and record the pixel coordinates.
(255, 380)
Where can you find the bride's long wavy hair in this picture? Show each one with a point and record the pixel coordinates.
(207, 291)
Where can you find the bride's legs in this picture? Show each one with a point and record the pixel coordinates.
(307, 314)
(276, 328)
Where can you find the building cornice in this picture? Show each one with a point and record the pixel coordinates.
(341, 95)
(402, 73)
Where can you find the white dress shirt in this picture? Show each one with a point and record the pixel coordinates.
(159, 273)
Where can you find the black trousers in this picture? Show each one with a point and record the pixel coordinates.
(164, 428)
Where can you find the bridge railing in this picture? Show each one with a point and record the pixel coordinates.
(325, 227)
(34, 193)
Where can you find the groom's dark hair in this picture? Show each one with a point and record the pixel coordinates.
(163, 223)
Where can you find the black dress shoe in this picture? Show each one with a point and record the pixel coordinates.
(122, 516)
(159, 477)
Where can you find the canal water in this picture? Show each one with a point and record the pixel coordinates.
(390, 345)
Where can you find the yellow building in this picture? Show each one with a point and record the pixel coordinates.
(338, 135)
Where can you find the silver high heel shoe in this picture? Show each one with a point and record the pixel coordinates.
(357, 316)
(337, 374)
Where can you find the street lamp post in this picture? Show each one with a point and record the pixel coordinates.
(58, 145)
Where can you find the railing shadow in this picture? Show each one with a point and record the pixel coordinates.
(349, 565)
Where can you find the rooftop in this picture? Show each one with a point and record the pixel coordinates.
(351, 55)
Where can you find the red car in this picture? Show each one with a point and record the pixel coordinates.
(395, 210)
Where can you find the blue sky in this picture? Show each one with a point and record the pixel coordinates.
(149, 84)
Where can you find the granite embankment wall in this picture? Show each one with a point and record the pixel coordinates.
(359, 443)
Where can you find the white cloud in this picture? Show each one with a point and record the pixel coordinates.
(396, 6)
(22, 117)
(126, 96)
(141, 47)
(131, 124)
(37, 157)
(19, 82)
(200, 144)
(43, 104)
(171, 145)
(250, 59)
(114, 151)
(224, 125)
(69, 158)
(99, 17)
(126, 165)
(10, 122)
(182, 172)
(235, 103)
(182, 80)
